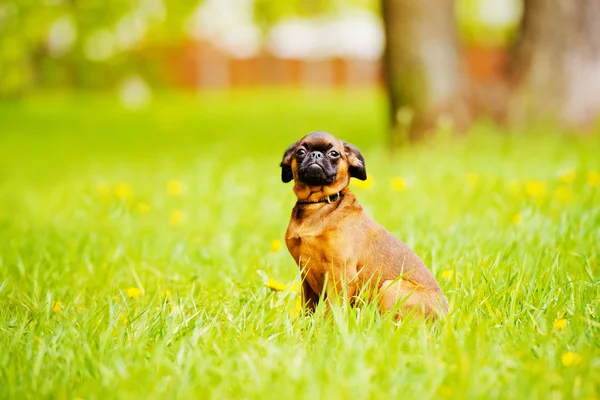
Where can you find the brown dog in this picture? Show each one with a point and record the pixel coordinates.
(337, 245)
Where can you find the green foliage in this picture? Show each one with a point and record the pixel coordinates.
(508, 223)
(268, 12)
(475, 27)
(99, 56)
(26, 57)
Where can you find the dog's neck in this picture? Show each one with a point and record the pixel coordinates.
(318, 194)
(327, 199)
(304, 210)
(318, 200)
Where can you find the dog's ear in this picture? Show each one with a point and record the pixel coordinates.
(356, 162)
(286, 164)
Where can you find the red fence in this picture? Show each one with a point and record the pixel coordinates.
(199, 65)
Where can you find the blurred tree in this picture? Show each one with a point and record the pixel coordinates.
(555, 70)
(425, 77)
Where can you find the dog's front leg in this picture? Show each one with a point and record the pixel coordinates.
(340, 287)
(309, 297)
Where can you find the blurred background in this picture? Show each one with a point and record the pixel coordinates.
(140, 143)
(442, 62)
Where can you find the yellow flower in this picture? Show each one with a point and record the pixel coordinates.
(166, 293)
(294, 287)
(559, 323)
(366, 184)
(134, 292)
(276, 245)
(569, 358)
(471, 179)
(123, 191)
(516, 219)
(297, 306)
(564, 194)
(143, 208)
(535, 189)
(294, 306)
(175, 188)
(593, 179)
(447, 274)
(57, 306)
(398, 184)
(568, 176)
(276, 285)
(176, 217)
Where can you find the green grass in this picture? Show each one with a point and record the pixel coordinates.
(514, 245)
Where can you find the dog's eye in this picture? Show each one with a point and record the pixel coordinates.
(301, 152)
(334, 154)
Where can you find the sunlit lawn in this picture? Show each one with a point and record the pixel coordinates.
(134, 248)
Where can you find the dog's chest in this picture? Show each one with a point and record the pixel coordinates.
(303, 240)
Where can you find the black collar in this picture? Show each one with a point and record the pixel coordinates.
(328, 199)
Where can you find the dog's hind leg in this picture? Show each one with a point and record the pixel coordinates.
(407, 298)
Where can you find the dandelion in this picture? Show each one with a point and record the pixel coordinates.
(471, 179)
(298, 306)
(276, 245)
(398, 184)
(143, 208)
(295, 310)
(564, 194)
(294, 287)
(57, 306)
(567, 176)
(559, 323)
(593, 179)
(123, 191)
(134, 292)
(175, 188)
(275, 285)
(447, 274)
(366, 184)
(176, 217)
(569, 358)
(535, 189)
(516, 219)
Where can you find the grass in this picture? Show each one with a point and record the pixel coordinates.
(130, 244)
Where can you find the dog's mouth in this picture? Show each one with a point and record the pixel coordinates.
(314, 175)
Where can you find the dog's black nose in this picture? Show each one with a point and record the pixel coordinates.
(316, 155)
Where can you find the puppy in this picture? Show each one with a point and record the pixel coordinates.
(337, 247)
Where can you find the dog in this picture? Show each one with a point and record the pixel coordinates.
(340, 251)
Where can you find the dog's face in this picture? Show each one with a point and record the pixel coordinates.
(321, 160)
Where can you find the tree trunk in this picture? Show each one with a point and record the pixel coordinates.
(423, 68)
(555, 71)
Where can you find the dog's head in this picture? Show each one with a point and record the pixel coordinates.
(321, 163)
